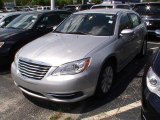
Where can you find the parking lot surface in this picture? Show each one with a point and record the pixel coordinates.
(122, 103)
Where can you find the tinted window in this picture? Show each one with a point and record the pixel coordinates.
(148, 9)
(50, 20)
(25, 21)
(125, 23)
(8, 20)
(94, 24)
(123, 6)
(135, 20)
(100, 7)
(85, 7)
(63, 15)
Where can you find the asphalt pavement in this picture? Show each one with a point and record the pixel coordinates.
(123, 103)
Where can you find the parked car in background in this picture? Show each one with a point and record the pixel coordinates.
(6, 18)
(150, 89)
(120, 6)
(150, 13)
(40, 8)
(81, 57)
(19, 8)
(85, 6)
(24, 29)
(72, 8)
(8, 9)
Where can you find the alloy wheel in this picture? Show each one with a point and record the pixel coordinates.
(107, 79)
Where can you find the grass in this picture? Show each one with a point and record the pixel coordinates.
(56, 116)
(68, 118)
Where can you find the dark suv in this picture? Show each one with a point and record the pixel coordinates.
(150, 13)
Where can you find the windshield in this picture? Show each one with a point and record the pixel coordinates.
(150, 9)
(100, 7)
(93, 24)
(23, 22)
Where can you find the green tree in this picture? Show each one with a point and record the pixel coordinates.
(63, 2)
(23, 2)
(1, 4)
(97, 1)
(40, 2)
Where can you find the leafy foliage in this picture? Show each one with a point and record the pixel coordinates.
(1, 4)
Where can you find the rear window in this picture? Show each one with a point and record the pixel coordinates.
(147, 9)
(100, 7)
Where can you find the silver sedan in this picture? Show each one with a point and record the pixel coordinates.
(81, 57)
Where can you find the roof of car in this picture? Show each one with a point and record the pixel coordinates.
(11, 13)
(109, 11)
(45, 11)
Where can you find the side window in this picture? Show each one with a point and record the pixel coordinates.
(9, 19)
(125, 23)
(135, 19)
(50, 20)
(63, 16)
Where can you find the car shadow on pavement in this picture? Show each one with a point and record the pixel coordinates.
(4, 70)
(125, 77)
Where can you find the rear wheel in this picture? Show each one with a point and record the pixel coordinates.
(106, 79)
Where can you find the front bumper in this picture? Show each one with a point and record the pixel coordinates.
(65, 88)
(150, 105)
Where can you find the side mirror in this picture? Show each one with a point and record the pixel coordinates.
(54, 27)
(126, 32)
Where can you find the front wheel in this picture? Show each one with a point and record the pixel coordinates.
(106, 78)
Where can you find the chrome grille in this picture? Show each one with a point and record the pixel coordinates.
(32, 70)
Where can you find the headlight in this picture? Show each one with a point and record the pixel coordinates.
(153, 82)
(73, 67)
(1, 44)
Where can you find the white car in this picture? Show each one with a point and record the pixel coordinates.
(40, 8)
(106, 6)
(81, 56)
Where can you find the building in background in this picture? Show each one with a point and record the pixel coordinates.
(9, 3)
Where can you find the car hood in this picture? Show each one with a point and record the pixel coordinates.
(9, 34)
(56, 49)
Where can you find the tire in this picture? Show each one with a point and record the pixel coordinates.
(106, 79)
(144, 48)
